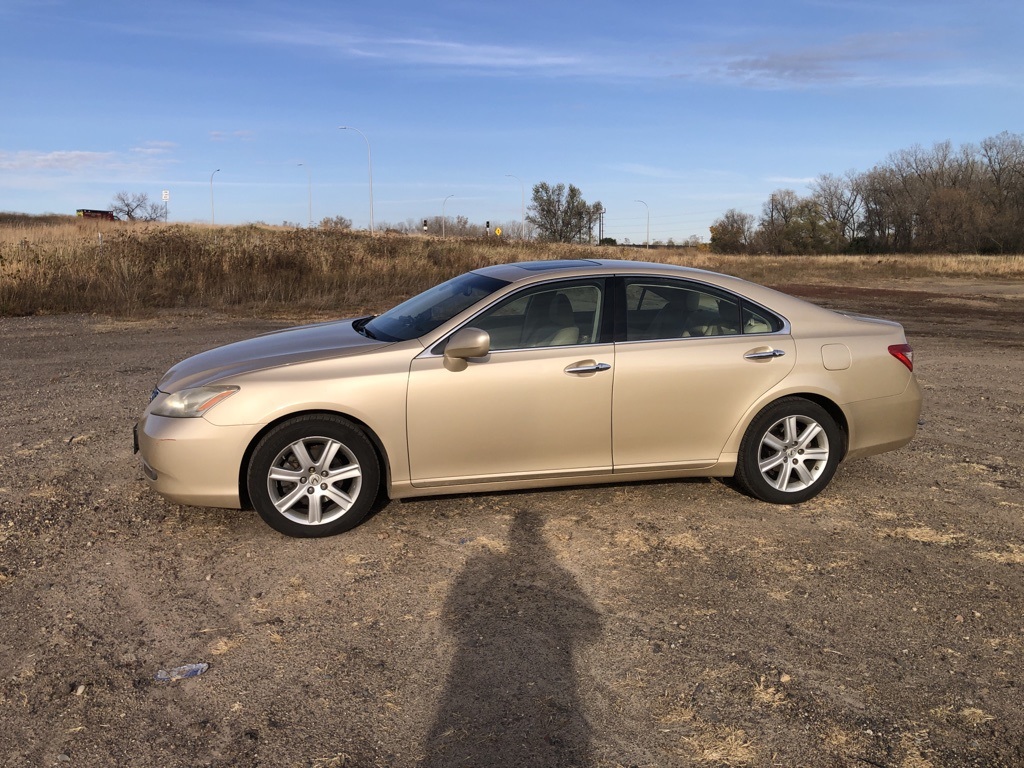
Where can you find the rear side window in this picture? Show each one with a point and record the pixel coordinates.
(757, 320)
(659, 308)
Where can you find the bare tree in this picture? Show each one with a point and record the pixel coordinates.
(958, 199)
(839, 201)
(1002, 185)
(136, 207)
(776, 214)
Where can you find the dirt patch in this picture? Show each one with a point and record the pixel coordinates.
(670, 623)
(984, 311)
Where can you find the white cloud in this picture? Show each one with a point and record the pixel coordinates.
(921, 58)
(70, 161)
(239, 135)
(482, 58)
(639, 169)
(909, 50)
(154, 149)
(75, 161)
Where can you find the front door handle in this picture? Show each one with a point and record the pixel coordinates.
(587, 366)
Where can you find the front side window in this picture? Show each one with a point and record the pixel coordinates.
(558, 315)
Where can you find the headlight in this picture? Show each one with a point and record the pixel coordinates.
(189, 403)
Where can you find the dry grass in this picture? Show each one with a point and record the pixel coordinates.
(767, 695)
(1014, 557)
(721, 745)
(971, 717)
(68, 265)
(926, 535)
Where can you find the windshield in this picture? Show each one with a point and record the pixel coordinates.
(423, 313)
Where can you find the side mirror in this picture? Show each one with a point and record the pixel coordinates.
(464, 344)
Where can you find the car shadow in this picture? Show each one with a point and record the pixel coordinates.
(610, 485)
(512, 694)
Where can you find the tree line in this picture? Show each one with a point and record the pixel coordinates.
(965, 200)
(951, 200)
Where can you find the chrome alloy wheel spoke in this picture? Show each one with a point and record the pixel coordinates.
(327, 458)
(301, 454)
(808, 435)
(286, 475)
(340, 498)
(816, 454)
(313, 517)
(314, 491)
(348, 472)
(773, 461)
(771, 441)
(289, 500)
(782, 481)
(793, 453)
(790, 429)
(803, 473)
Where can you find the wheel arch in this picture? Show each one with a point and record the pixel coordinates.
(784, 474)
(831, 407)
(375, 441)
(833, 410)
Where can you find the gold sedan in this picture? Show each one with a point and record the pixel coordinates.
(532, 375)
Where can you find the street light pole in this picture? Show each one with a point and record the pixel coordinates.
(648, 241)
(309, 173)
(212, 217)
(369, 164)
(522, 204)
(442, 214)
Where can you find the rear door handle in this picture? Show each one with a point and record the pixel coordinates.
(587, 366)
(764, 354)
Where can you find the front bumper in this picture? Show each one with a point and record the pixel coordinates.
(191, 461)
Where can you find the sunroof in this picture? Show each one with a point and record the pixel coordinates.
(541, 266)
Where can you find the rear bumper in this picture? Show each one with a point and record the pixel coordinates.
(885, 423)
(191, 461)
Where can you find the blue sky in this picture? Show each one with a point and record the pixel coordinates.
(692, 107)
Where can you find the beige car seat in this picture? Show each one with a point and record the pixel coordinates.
(550, 322)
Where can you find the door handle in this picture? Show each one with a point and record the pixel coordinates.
(587, 366)
(764, 354)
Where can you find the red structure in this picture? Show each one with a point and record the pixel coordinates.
(88, 213)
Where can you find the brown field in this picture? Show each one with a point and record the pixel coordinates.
(131, 270)
(644, 625)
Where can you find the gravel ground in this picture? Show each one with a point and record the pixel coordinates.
(654, 624)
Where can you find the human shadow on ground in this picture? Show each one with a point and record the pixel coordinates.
(512, 698)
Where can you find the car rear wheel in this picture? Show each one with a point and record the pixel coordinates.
(790, 452)
(313, 476)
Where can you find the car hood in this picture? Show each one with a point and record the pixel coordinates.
(290, 346)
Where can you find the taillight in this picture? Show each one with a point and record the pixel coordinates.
(904, 353)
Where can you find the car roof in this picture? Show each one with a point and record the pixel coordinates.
(537, 271)
(524, 270)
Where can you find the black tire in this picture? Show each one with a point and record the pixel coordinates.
(313, 476)
(790, 452)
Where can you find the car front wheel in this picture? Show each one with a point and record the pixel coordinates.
(790, 452)
(313, 476)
